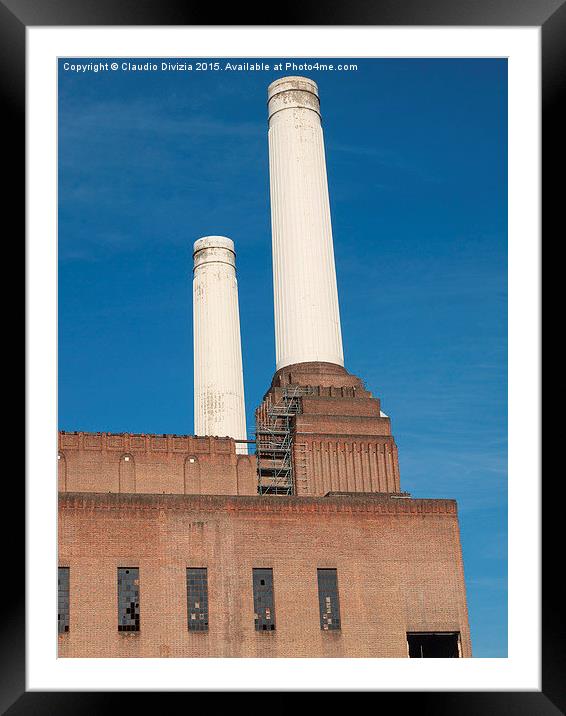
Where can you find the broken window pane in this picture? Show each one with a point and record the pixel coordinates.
(128, 599)
(63, 600)
(328, 599)
(197, 598)
(264, 606)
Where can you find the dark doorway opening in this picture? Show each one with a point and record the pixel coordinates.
(434, 645)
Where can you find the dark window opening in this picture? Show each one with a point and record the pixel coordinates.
(264, 606)
(434, 645)
(197, 598)
(63, 600)
(328, 602)
(128, 599)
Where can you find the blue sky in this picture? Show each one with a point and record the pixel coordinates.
(417, 169)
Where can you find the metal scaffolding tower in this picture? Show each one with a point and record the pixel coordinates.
(275, 424)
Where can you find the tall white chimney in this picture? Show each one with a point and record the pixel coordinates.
(218, 376)
(307, 317)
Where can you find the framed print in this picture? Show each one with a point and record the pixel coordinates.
(344, 500)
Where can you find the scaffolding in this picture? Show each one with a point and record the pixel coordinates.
(275, 423)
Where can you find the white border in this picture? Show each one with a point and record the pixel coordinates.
(521, 670)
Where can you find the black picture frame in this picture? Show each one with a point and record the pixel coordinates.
(15, 16)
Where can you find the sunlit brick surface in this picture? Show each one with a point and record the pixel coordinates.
(398, 563)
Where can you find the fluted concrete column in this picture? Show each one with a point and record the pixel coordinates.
(218, 377)
(307, 317)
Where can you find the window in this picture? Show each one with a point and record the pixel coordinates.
(63, 597)
(127, 474)
(427, 645)
(264, 606)
(197, 598)
(328, 599)
(128, 599)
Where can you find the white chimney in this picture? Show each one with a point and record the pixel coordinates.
(307, 317)
(218, 376)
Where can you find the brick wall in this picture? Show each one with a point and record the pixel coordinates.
(344, 465)
(163, 503)
(398, 562)
(171, 464)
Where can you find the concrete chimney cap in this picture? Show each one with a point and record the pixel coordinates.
(286, 84)
(213, 242)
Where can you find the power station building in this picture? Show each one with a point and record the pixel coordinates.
(200, 546)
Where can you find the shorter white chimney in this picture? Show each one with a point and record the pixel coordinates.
(218, 377)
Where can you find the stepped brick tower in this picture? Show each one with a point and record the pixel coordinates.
(319, 431)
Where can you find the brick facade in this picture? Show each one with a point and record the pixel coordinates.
(165, 503)
(398, 563)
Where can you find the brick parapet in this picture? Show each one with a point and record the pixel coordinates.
(379, 503)
(178, 464)
(144, 442)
